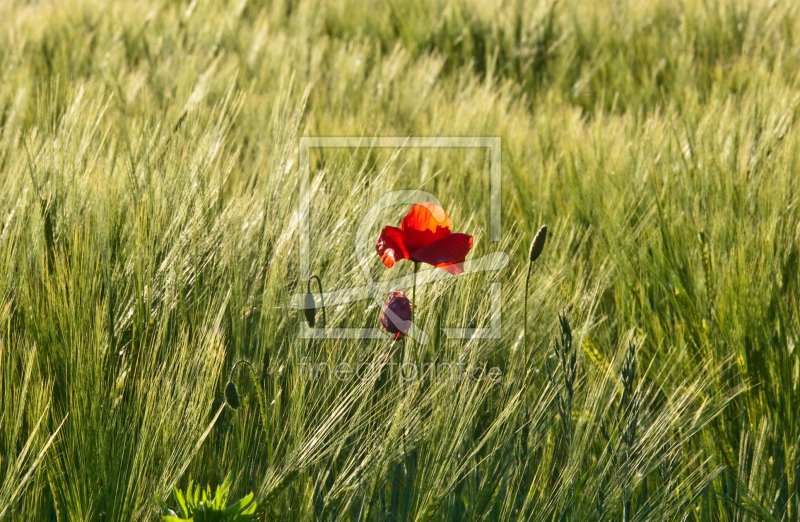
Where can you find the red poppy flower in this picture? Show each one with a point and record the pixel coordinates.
(396, 314)
(425, 235)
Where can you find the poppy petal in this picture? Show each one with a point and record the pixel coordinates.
(390, 246)
(447, 253)
(454, 269)
(424, 224)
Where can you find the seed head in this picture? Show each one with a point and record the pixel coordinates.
(538, 243)
(232, 396)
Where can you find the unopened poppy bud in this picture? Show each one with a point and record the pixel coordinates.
(538, 244)
(232, 396)
(396, 314)
(310, 309)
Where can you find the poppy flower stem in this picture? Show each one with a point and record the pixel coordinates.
(414, 291)
(525, 324)
(321, 298)
(537, 245)
(403, 359)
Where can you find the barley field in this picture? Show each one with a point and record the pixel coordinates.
(157, 229)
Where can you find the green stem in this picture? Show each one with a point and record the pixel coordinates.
(321, 298)
(525, 325)
(414, 290)
(402, 360)
(413, 295)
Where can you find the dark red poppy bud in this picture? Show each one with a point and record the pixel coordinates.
(538, 244)
(310, 309)
(396, 314)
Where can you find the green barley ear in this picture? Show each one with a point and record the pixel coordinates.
(232, 396)
(538, 244)
(310, 309)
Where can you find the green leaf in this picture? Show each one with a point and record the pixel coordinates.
(197, 505)
(221, 495)
(181, 502)
(247, 514)
(164, 507)
(237, 507)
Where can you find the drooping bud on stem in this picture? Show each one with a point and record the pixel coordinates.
(538, 243)
(232, 396)
(310, 309)
(310, 306)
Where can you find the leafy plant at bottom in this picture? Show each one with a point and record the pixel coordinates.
(197, 505)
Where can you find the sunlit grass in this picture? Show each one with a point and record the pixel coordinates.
(149, 224)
